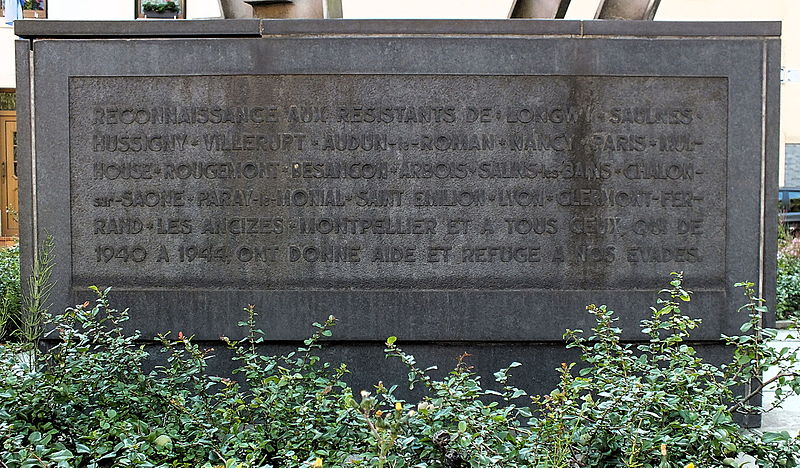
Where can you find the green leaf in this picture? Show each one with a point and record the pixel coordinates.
(80, 448)
(62, 455)
(35, 437)
(776, 436)
(162, 440)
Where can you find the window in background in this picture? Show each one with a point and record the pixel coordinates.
(30, 8)
(792, 166)
(34, 8)
(8, 98)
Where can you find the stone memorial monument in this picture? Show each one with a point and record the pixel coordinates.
(467, 186)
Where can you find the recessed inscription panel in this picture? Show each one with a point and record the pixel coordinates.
(397, 181)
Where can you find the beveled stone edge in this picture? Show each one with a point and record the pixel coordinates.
(39, 29)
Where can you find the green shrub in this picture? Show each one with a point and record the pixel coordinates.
(787, 301)
(161, 7)
(88, 402)
(659, 403)
(9, 289)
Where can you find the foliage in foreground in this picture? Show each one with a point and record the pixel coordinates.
(787, 301)
(88, 402)
(10, 296)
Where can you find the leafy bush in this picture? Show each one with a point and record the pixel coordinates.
(9, 289)
(635, 403)
(161, 7)
(32, 5)
(88, 402)
(787, 301)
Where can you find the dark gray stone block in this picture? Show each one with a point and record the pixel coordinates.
(328, 167)
(140, 28)
(438, 27)
(35, 29)
(682, 29)
(27, 235)
(401, 182)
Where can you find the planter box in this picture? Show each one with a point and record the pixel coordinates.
(161, 15)
(34, 13)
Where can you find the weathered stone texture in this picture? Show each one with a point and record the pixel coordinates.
(463, 185)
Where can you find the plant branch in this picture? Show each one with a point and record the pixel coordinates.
(760, 387)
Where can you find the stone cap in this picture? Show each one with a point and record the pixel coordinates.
(33, 29)
(40, 29)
